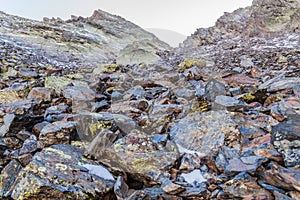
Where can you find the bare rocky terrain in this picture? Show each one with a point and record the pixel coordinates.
(98, 108)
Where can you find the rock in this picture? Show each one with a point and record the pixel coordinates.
(286, 139)
(24, 159)
(294, 194)
(15, 123)
(171, 188)
(88, 125)
(41, 93)
(250, 164)
(195, 193)
(29, 146)
(128, 154)
(287, 83)
(59, 132)
(227, 103)
(22, 107)
(202, 133)
(99, 106)
(110, 68)
(190, 162)
(102, 142)
(149, 193)
(23, 135)
(8, 96)
(8, 177)
(213, 89)
(3, 146)
(56, 83)
(191, 62)
(239, 79)
(279, 195)
(256, 96)
(59, 170)
(194, 178)
(264, 20)
(245, 188)
(53, 111)
(36, 130)
(80, 97)
(285, 178)
(120, 188)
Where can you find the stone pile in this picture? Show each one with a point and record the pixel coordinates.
(217, 118)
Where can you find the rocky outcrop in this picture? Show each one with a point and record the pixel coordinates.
(81, 42)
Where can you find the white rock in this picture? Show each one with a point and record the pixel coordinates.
(99, 171)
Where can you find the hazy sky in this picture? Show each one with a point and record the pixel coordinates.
(183, 16)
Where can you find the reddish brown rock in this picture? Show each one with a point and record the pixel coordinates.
(41, 93)
(285, 178)
(239, 79)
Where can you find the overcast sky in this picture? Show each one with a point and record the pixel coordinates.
(183, 16)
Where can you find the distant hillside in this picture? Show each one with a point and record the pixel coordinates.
(171, 37)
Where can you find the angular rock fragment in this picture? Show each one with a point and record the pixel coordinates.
(286, 139)
(42, 93)
(56, 83)
(285, 178)
(136, 155)
(15, 123)
(59, 132)
(227, 103)
(194, 178)
(171, 188)
(287, 83)
(8, 177)
(88, 125)
(8, 96)
(120, 188)
(58, 172)
(239, 187)
(213, 89)
(202, 133)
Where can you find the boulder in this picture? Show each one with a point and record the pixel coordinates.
(203, 132)
(61, 172)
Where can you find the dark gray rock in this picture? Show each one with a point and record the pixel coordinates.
(227, 103)
(29, 146)
(120, 188)
(213, 89)
(99, 106)
(286, 83)
(15, 123)
(61, 170)
(8, 177)
(38, 127)
(286, 139)
(53, 111)
(3, 146)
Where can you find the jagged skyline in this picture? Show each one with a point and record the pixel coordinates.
(181, 16)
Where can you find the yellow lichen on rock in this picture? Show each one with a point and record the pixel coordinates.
(190, 62)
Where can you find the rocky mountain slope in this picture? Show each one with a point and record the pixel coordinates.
(97, 108)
